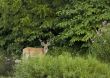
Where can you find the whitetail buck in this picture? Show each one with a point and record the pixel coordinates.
(33, 52)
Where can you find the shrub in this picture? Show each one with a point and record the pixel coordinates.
(56, 50)
(62, 66)
(101, 45)
(22, 22)
(6, 66)
(1, 64)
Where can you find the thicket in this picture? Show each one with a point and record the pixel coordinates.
(62, 66)
(6, 66)
(101, 45)
(65, 22)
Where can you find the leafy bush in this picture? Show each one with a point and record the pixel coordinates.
(22, 22)
(5, 77)
(6, 66)
(1, 64)
(62, 66)
(55, 50)
(101, 45)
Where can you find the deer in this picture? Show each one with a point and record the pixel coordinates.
(33, 52)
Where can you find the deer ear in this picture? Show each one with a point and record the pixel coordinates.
(42, 43)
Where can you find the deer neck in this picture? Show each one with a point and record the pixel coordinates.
(45, 50)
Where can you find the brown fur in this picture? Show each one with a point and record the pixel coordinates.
(33, 51)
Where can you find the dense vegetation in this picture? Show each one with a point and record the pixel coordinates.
(64, 22)
(101, 45)
(73, 26)
(63, 66)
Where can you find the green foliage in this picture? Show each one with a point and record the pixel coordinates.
(63, 66)
(22, 22)
(6, 66)
(1, 64)
(79, 23)
(101, 45)
(55, 51)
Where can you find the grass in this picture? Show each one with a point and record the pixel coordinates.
(63, 66)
